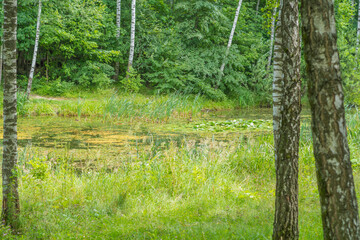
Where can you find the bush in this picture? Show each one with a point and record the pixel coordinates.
(55, 88)
(132, 82)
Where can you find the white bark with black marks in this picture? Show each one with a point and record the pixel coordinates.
(2, 49)
(36, 47)
(230, 41)
(273, 22)
(339, 207)
(357, 34)
(287, 108)
(132, 36)
(118, 29)
(10, 206)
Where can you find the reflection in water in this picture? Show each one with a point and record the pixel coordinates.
(90, 133)
(93, 133)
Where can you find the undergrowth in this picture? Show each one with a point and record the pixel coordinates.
(193, 189)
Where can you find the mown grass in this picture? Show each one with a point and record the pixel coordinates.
(202, 189)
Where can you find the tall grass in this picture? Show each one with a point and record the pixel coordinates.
(123, 106)
(193, 190)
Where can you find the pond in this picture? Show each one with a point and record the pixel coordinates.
(95, 139)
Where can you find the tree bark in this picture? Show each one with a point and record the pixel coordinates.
(257, 7)
(357, 34)
(118, 25)
(2, 48)
(230, 42)
(339, 207)
(11, 206)
(33, 64)
(273, 21)
(132, 37)
(47, 66)
(287, 96)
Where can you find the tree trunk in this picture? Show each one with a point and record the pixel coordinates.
(257, 7)
(230, 42)
(47, 66)
(287, 107)
(132, 37)
(273, 21)
(33, 64)
(11, 206)
(357, 35)
(118, 24)
(333, 167)
(2, 48)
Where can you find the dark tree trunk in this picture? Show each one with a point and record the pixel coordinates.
(287, 133)
(10, 207)
(333, 167)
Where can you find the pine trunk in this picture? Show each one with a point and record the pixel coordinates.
(33, 64)
(230, 41)
(273, 21)
(132, 37)
(339, 207)
(11, 206)
(287, 95)
(118, 25)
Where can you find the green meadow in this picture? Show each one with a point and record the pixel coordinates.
(120, 168)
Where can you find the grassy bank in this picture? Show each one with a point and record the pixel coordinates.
(112, 104)
(194, 190)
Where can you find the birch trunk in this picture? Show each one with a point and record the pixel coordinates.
(10, 206)
(287, 108)
(339, 207)
(132, 37)
(277, 84)
(357, 34)
(257, 7)
(2, 48)
(229, 43)
(118, 25)
(33, 64)
(273, 20)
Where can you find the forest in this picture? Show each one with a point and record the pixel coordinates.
(180, 119)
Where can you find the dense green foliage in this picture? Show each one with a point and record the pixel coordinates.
(179, 46)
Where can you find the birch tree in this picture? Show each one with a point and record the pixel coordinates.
(287, 108)
(273, 20)
(33, 64)
(132, 37)
(230, 41)
(10, 206)
(357, 34)
(339, 207)
(257, 7)
(2, 47)
(118, 25)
